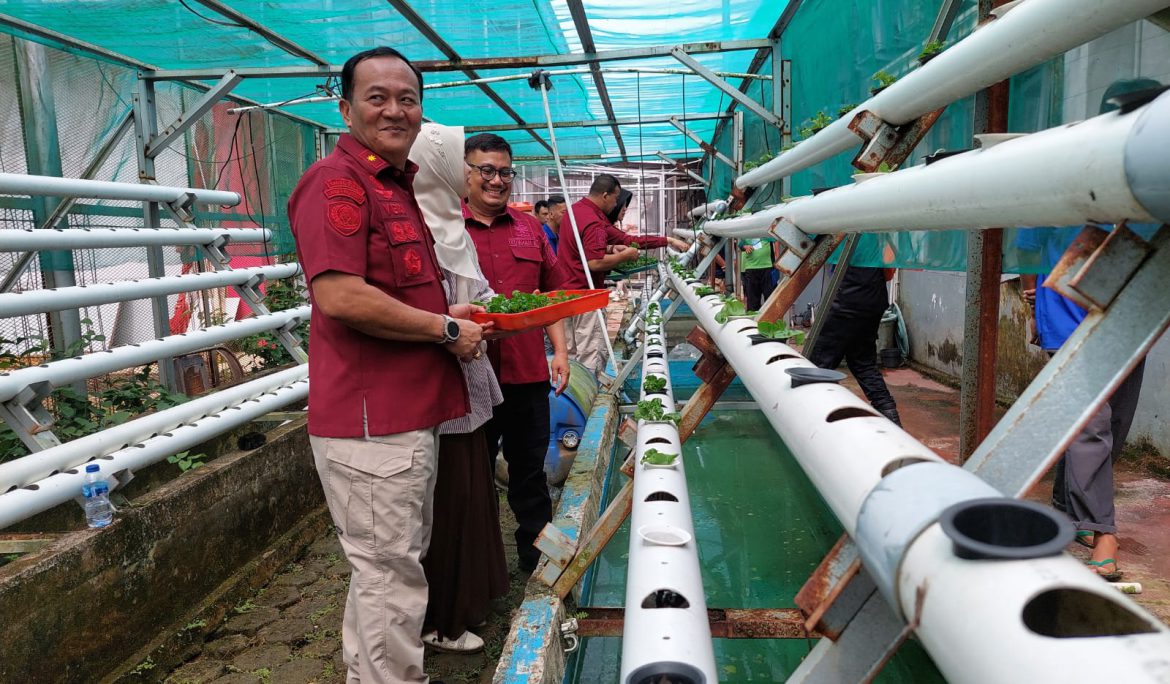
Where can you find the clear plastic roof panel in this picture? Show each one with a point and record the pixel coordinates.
(186, 34)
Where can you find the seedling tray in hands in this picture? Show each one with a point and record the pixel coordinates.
(588, 300)
(627, 272)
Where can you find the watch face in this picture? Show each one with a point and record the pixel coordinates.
(452, 330)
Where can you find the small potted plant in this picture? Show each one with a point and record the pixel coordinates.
(845, 109)
(882, 169)
(654, 384)
(653, 458)
(704, 290)
(652, 411)
(775, 332)
(732, 308)
(930, 51)
(884, 80)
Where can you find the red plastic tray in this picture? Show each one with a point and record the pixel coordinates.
(538, 318)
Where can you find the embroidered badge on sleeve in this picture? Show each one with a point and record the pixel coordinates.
(344, 187)
(344, 217)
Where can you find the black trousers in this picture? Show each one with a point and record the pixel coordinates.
(854, 339)
(757, 287)
(521, 423)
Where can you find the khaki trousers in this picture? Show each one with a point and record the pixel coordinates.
(379, 491)
(585, 338)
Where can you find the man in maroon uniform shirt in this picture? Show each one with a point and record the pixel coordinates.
(514, 254)
(605, 247)
(381, 331)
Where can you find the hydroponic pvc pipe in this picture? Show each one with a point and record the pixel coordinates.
(52, 186)
(1106, 169)
(65, 371)
(19, 504)
(93, 238)
(843, 445)
(41, 464)
(666, 633)
(1014, 607)
(1031, 33)
(39, 301)
(709, 209)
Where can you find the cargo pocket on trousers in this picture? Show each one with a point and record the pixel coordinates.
(364, 473)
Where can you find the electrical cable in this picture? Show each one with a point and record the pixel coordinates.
(573, 219)
(209, 19)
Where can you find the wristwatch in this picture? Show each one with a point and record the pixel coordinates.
(450, 330)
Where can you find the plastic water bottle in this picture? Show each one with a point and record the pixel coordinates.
(98, 510)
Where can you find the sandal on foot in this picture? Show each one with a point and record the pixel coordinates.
(1086, 538)
(465, 643)
(1099, 567)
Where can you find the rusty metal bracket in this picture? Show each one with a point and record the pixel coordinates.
(726, 623)
(885, 143)
(1109, 267)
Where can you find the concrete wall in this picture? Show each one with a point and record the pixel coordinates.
(74, 611)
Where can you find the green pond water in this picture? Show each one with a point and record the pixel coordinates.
(761, 528)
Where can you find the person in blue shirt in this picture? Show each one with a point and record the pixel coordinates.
(1083, 484)
(550, 219)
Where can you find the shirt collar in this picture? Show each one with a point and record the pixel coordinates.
(511, 213)
(372, 162)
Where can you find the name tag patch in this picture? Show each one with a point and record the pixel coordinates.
(344, 187)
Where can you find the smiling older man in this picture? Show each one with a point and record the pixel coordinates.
(381, 331)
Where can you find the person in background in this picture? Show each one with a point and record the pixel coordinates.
(756, 267)
(586, 334)
(556, 214)
(618, 239)
(382, 330)
(540, 211)
(850, 332)
(465, 565)
(514, 255)
(1083, 483)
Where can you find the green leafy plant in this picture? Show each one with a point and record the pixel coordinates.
(653, 411)
(759, 161)
(279, 295)
(846, 108)
(653, 456)
(731, 307)
(931, 50)
(520, 302)
(654, 340)
(186, 460)
(652, 306)
(815, 125)
(779, 331)
(654, 384)
(884, 80)
(704, 290)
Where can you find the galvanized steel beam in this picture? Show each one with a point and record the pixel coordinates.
(707, 148)
(594, 123)
(201, 106)
(734, 93)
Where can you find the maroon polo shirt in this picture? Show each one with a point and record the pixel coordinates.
(354, 213)
(591, 222)
(514, 254)
(617, 236)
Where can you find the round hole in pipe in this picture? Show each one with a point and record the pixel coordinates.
(781, 357)
(661, 496)
(1005, 529)
(901, 463)
(658, 440)
(846, 412)
(32, 487)
(666, 672)
(655, 355)
(665, 598)
(750, 327)
(1068, 613)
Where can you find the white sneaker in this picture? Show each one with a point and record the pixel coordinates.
(466, 643)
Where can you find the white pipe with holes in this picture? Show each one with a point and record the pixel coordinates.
(666, 634)
(25, 502)
(709, 209)
(1031, 33)
(66, 371)
(1105, 169)
(52, 186)
(41, 464)
(32, 239)
(855, 457)
(39, 301)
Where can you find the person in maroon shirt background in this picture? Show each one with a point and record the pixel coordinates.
(514, 254)
(381, 330)
(585, 333)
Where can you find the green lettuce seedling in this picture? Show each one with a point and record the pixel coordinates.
(654, 383)
(653, 456)
(652, 410)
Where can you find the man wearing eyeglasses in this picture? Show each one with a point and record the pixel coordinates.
(514, 254)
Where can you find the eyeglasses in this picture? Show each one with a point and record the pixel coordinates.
(488, 172)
